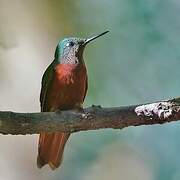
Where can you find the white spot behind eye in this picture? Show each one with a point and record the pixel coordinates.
(71, 44)
(67, 44)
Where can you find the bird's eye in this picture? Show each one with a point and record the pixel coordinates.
(70, 44)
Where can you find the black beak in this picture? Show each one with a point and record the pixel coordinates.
(95, 37)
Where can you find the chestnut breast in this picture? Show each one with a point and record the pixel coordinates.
(69, 86)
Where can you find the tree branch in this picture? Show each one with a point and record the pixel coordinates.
(91, 118)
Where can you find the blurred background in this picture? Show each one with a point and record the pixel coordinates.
(137, 62)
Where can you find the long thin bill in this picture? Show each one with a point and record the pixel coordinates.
(95, 37)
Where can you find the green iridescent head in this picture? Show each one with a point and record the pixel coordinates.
(70, 50)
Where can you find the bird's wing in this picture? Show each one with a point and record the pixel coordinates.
(86, 88)
(45, 85)
(51, 145)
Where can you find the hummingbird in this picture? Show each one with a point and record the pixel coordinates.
(63, 87)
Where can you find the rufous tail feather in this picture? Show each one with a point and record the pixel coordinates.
(50, 149)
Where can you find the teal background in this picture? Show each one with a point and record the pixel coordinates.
(136, 62)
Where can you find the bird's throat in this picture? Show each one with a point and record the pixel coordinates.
(70, 72)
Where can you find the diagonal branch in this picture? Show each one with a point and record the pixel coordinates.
(91, 118)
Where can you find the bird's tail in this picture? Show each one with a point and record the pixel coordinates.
(50, 149)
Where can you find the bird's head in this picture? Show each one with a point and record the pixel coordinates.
(70, 50)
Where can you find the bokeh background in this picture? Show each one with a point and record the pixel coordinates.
(137, 62)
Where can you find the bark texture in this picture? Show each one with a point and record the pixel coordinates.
(91, 118)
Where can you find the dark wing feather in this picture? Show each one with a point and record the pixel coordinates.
(45, 84)
(86, 88)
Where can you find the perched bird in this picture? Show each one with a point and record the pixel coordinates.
(64, 86)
